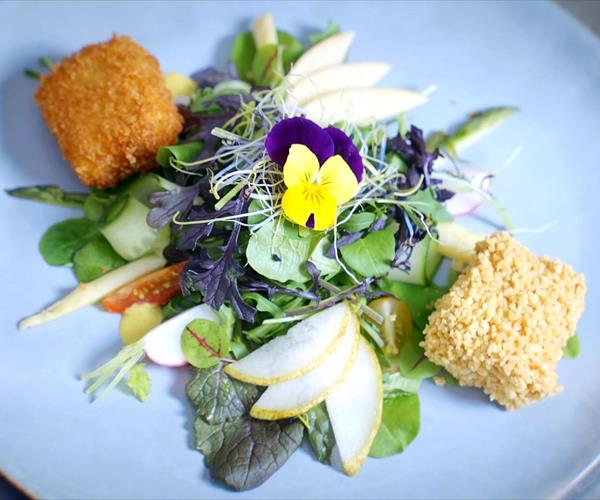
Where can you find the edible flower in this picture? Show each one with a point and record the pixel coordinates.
(321, 170)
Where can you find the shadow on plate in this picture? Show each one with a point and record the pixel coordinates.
(26, 139)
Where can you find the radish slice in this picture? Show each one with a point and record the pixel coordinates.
(162, 344)
(466, 203)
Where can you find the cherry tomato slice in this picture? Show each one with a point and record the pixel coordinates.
(155, 288)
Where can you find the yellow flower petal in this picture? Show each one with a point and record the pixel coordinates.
(302, 200)
(337, 177)
(301, 166)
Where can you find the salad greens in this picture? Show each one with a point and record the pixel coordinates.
(240, 451)
(139, 382)
(204, 343)
(400, 424)
(215, 203)
(60, 242)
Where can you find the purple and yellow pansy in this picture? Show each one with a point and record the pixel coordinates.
(322, 169)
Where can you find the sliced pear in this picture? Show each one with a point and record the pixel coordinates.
(306, 345)
(337, 77)
(332, 50)
(355, 409)
(264, 31)
(294, 397)
(361, 106)
(457, 242)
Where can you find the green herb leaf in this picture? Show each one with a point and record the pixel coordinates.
(320, 433)
(243, 51)
(425, 202)
(181, 152)
(263, 304)
(267, 66)
(139, 382)
(179, 304)
(219, 398)
(94, 259)
(331, 29)
(273, 254)
(34, 75)
(573, 348)
(245, 452)
(400, 424)
(291, 49)
(358, 222)
(204, 343)
(62, 240)
(52, 195)
(411, 360)
(395, 385)
(420, 299)
(372, 255)
(327, 266)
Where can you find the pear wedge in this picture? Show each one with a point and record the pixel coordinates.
(361, 106)
(332, 50)
(456, 242)
(355, 409)
(306, 345)
(294, 397)
(337, 77)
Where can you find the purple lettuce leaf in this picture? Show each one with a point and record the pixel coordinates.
(413, 152)
(168, 203)
(209, 77)
(192, 234)
(217, 279)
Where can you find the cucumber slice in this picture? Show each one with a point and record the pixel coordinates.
(143, 186)
(424, 263)
(130, 235)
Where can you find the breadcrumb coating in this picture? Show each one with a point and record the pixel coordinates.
(109, 109)
(504, 323)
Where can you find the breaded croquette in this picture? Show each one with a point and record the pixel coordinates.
(110, 110)
(504, 323)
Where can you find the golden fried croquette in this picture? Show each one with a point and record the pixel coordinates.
(505, 322)
(109, 109)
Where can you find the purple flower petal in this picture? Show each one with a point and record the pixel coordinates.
(298, 131)
(344, 147)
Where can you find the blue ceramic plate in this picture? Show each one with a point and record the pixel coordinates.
(55, 444)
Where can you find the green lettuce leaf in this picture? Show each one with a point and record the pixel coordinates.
(400, 424)
(372, 255)
(139, 382)
(277, 256)
(62, 240)
(94, 259)
(573, 348)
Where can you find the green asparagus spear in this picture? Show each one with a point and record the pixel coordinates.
(476, 126)
(49, 194)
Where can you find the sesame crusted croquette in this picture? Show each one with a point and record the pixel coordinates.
(504, 323)
(109, 109)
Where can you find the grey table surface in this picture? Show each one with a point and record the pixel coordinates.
(588, 13)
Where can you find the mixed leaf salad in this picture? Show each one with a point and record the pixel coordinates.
(287, 248)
